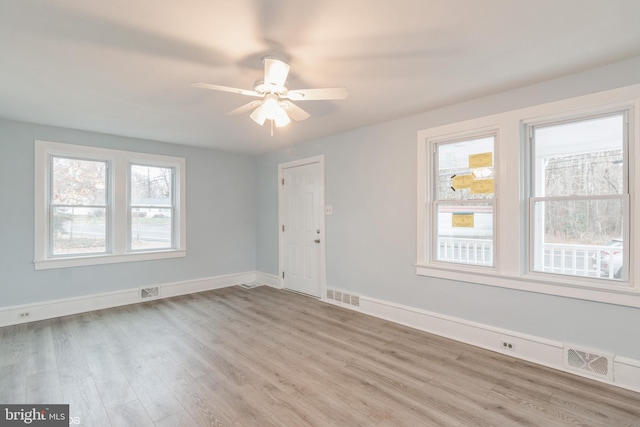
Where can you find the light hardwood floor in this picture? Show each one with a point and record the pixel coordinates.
(263, 357)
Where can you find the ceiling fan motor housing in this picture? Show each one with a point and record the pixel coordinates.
(261, 87)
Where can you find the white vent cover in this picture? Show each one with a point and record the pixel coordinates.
(148, 293)
(343, 297)
(589, 362)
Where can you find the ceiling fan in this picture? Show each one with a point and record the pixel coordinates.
(275, 103)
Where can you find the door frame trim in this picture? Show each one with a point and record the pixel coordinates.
(322, 267)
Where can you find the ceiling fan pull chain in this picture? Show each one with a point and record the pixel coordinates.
(271, 127)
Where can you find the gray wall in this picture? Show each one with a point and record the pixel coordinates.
(221, 219)
(371, 236)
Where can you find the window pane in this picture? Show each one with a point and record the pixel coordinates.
(574, 237)
(580, 159)
(465, 170)
(78, 230)
(465, 233)
(151, 229)
(78, 182)
(151, 186)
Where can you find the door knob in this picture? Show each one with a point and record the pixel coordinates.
(317, 240)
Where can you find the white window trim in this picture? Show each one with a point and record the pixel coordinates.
(511, 252)
(119, 161)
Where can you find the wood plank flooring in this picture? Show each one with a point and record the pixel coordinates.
(264, 357)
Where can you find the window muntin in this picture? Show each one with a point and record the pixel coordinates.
(151, 207)
(78, 207)
(464, 202)
(579, 197)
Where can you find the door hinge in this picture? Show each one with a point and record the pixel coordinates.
(282, 181)
(283, 274)
(283, 228)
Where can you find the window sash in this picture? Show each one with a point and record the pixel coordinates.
(172, 238)
(531, 152)
(465, 247)
(51, 170)
(52, 206)
(473, 251)
(55, 239)
(533, 266)
(531, 175)
(131, 206)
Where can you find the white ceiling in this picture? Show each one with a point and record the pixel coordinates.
(124, 66)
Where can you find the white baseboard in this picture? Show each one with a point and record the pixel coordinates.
(527, 347)
(207, 284)
(271, 280)
(64, 307)
(627, 373)
(534, 349)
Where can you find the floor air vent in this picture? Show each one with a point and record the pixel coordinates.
(589, 362)
(148, 293)
(343, 297)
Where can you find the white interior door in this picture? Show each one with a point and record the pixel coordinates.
(302, 231)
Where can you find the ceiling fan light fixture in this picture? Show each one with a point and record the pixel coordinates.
(282, 118)
(259, 115)
(271, 106)
(271, 109)
(271, 112)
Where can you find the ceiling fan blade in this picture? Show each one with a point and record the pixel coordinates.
(318, 94)
(244, 108)
(275, 72)
(295, 112)
(225, 88)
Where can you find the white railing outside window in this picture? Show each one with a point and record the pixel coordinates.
(465, 251)
(575, 260)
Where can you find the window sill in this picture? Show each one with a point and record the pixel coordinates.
(46, 264)
(540, 283)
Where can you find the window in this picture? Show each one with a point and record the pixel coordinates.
(96, 206)
(541, 199)
(463, 201)
(78, 207)
(151, 207)
(579, 197)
